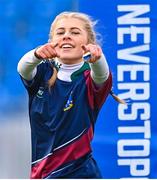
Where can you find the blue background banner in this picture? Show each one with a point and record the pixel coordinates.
(125, 145)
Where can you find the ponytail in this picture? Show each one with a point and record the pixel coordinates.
(55, 67)
(117, 98)
(53, 78)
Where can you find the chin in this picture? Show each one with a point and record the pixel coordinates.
(70, 60)
(68, 57)
(67, 60)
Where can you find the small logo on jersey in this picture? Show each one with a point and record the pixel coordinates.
(69, 103)
(40, 92)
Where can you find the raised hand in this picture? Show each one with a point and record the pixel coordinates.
(46, 51)
(94, 50)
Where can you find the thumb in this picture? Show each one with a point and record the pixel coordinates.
(53, 45)
(85, 48)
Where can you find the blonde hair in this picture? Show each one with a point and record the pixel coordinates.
(89, 24)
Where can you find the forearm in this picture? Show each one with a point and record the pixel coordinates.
(99, 70)
(27, 66)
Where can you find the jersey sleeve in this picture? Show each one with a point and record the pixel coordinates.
(33, 85)
(97, 94)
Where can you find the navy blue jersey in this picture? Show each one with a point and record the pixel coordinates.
(62, 119)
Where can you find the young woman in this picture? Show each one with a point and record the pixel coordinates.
(65, 97)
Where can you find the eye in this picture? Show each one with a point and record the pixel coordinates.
(75, 32)
(60, 32)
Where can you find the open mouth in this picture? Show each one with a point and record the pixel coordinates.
(67, 46)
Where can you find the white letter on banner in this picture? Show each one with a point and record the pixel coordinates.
(137, 129)
(132, 91)
(130, 148)
(134, 178)
(134, 164)
(131, 18)
(133, 69)
(125, 113)
(128, 54)
(133, 30)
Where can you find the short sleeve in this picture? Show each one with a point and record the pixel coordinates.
(97, 94)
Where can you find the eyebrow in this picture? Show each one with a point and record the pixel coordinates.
(72, 28)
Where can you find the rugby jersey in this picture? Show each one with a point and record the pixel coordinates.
(62, 119)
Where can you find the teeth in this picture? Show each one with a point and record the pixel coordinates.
(67, 46)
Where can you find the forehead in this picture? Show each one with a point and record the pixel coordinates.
(69, 22)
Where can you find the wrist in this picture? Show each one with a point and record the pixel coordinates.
(36, 54)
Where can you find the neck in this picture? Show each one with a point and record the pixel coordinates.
(66, 70)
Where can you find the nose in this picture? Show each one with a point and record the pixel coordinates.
(66, 36)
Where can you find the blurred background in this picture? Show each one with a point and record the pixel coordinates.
(25, 25)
